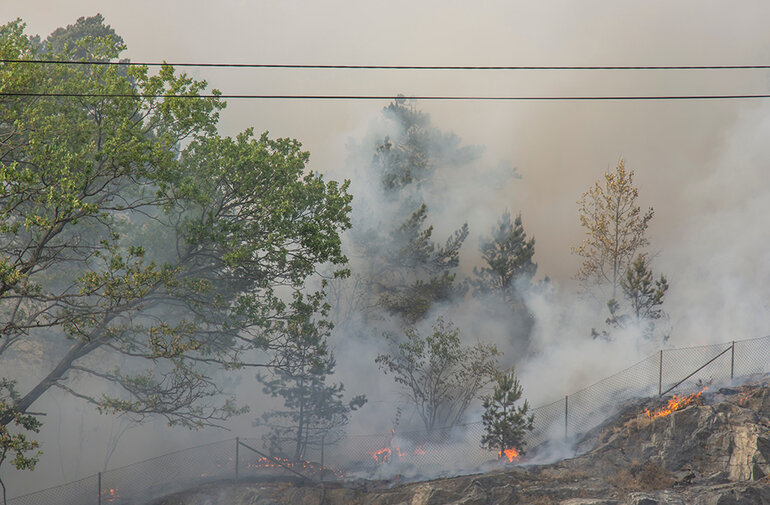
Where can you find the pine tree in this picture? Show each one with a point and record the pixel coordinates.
(314, 410)
(409, 269)
(418, 150)
(416, 272)
(643, 296)
(508, 257)
(505, 424)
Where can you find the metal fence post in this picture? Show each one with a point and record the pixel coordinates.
(323, 439)
(237, 446)
(566, 414)
(99, 490)
(732, 361)
(660, 374)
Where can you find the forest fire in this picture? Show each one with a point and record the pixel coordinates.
(509, 454)
(674, 404)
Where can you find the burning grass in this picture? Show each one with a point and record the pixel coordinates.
(674, 404)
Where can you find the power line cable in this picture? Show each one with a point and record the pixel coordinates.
(393, 67)
(392, 97)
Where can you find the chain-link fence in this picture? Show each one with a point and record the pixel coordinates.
(440, 452)
(680, 371)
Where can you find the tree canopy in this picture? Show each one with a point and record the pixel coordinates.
(132, 233)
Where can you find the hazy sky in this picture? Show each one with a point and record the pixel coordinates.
(559, 148)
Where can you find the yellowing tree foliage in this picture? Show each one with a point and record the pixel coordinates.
(615, 228)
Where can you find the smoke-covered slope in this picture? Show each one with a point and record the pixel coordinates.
(713, 451)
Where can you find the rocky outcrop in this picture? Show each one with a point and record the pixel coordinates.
(724, 436)
(716, 451)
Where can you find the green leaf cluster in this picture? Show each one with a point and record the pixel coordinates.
(139, 249)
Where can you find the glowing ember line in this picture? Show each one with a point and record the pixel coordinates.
(382, 455)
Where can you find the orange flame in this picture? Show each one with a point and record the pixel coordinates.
(382, 455)
(510, 454)
(385, 454)
(674, 404)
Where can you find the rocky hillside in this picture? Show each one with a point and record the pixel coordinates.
(714, 450)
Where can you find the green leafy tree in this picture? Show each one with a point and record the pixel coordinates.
(615, 228)
(314, 411)
(118, 246)
(72, 37)
(15, 443)
(505, 425)
(438, 375)
(643, 297)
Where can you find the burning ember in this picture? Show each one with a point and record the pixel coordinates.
(278, 463)
(110, 495)
(302, 466)
(510, 454)
(674, 404)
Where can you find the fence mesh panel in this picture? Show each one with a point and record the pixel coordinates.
(442, 451)
(592, 405)
(171, 472)
(703, 364)
(80, 492)
(549, 423)
(752, 356)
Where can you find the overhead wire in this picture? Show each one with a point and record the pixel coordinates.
(391, 97)
(392, 67)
